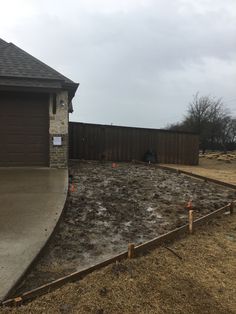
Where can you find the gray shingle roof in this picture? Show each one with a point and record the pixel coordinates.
(8, 81)
(17, 67)
(2, 42)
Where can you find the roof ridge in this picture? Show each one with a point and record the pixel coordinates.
(42, 64)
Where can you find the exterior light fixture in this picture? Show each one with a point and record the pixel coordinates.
(62, 103)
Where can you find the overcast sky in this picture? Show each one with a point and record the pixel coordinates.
(138, 62)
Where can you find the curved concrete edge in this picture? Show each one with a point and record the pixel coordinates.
(54, 200)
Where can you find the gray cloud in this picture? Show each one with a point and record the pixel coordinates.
(138, 62)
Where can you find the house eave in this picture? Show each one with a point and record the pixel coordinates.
(33, 84)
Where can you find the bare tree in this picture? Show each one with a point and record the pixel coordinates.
(208, 117)
(228, 133)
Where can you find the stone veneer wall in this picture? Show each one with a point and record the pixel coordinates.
(58, 155)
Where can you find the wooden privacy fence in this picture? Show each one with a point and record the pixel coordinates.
(116, 143)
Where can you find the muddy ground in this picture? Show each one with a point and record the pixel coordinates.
(110, 207)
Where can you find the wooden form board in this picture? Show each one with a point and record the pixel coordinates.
(140, 249)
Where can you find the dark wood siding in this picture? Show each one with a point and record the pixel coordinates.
(114, 143)
(24, 129)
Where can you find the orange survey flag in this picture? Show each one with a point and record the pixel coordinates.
(189, 205)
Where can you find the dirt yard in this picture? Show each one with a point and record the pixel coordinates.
(203, 281)
(110, 207)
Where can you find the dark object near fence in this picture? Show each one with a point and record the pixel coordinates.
(150, 156)
(116, 143)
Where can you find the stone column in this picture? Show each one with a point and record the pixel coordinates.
(59, 122)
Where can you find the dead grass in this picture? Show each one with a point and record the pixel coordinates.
(203, 281)
(212, 168)
(220, 156)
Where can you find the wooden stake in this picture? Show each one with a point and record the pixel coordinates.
(131, 250)
(231, 208)
(18, 300)
(190, 218)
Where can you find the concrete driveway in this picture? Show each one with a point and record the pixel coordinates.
(31, 202)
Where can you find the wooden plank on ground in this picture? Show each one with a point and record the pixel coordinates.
(142, 248)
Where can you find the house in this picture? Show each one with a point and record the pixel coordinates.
(35, 101)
